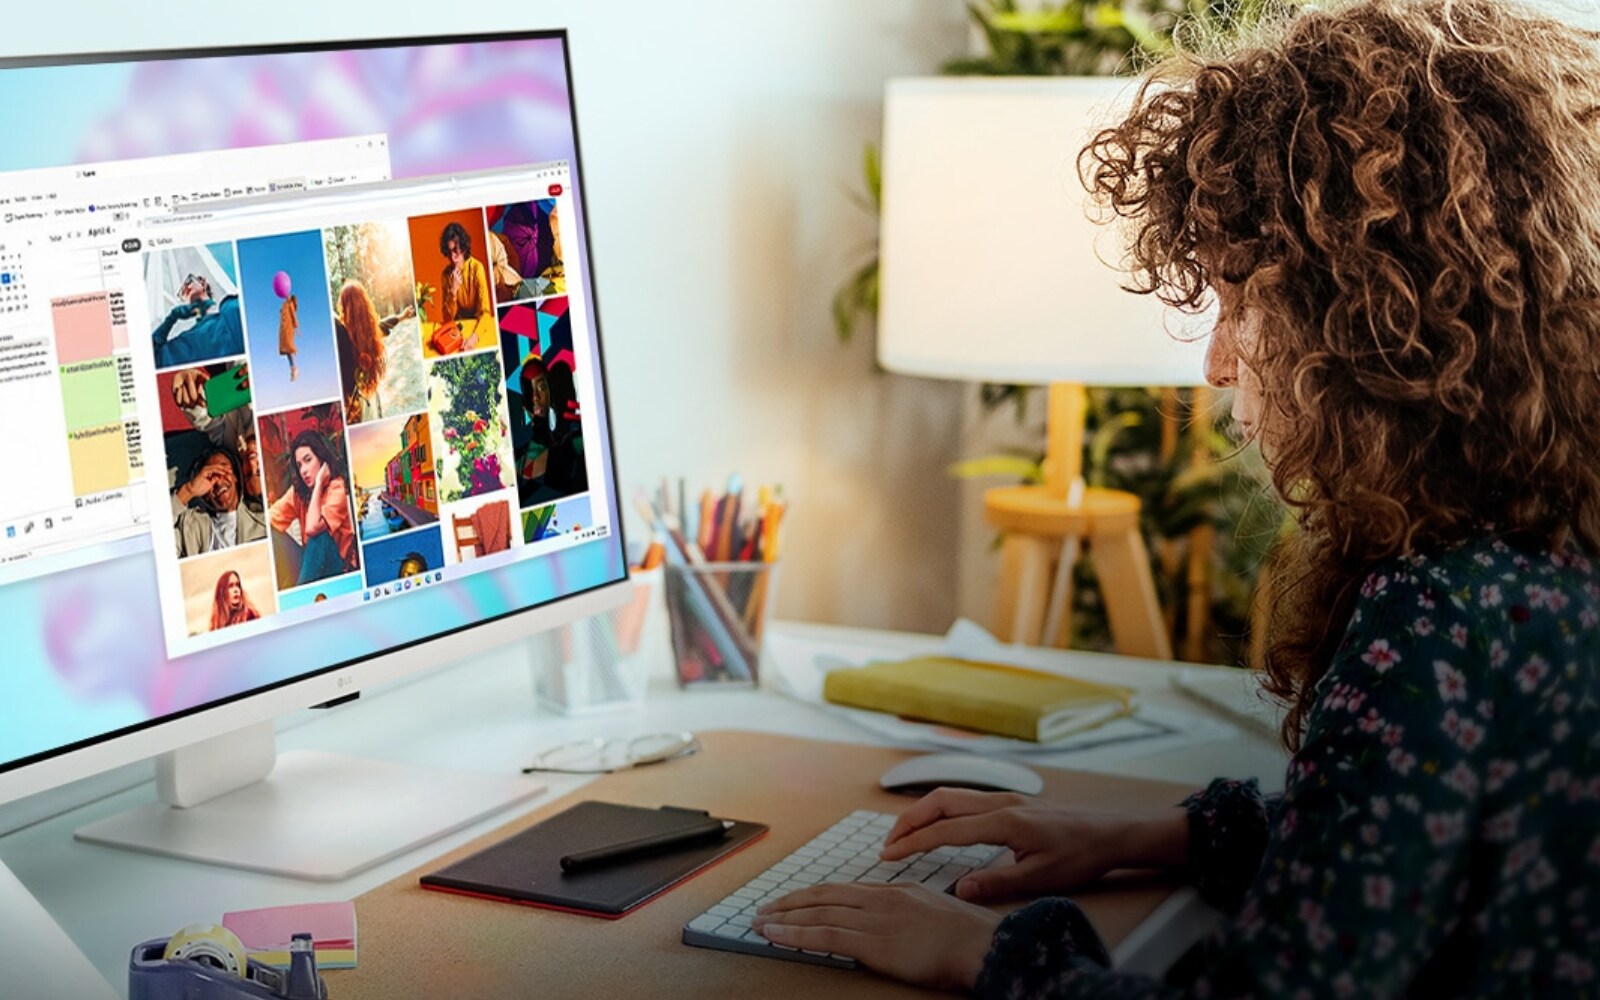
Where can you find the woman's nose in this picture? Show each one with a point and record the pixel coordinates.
(1222, 360)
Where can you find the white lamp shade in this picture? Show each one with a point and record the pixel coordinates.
(992, 268)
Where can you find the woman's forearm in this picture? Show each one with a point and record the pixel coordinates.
(314, 522)
(1157, 842)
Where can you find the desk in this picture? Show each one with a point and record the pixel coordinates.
(481, 716)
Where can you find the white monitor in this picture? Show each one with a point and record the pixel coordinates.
(263, 465)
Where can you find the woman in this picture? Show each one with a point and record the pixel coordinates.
(229, 604)
(464, 284)
(363, 357)
(318, 498)
(1394, 202)
(551, 464)
(288, 329)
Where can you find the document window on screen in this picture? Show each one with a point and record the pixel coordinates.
(353, 397)
(66, 371)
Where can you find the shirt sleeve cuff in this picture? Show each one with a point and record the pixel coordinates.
(1034, 945)
(1228, 825)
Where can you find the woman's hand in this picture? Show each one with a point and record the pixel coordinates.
(189, 388)
(201, 485)
(323, 475)
(922, 937)
(1058, 848)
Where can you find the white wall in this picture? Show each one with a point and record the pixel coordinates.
(744, 119)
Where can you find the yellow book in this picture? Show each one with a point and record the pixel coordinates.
(988, 697)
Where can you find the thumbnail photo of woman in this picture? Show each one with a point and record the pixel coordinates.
(458, 313)
(375, 325)
(195, 291)
(313, 532)
(286, 316)
(546, 418)
(525, 249)
(227, 588)
(230, 605)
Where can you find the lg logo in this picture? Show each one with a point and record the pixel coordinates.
(343, 681)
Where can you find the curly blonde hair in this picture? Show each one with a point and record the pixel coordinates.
(1408, 193)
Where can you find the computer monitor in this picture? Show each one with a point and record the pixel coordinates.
(150, 608)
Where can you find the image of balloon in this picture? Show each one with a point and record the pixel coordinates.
(280, 284)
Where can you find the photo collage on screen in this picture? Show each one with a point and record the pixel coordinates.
(356, 408)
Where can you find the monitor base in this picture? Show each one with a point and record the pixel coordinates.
(320, 817)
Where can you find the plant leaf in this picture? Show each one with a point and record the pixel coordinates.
(872, 168)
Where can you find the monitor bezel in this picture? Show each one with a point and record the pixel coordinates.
(85, 758)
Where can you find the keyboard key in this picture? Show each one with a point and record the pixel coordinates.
(706, 922)
(944, 878)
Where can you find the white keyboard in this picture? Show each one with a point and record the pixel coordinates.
(846, 852)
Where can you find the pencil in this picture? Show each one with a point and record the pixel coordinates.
(708, 518)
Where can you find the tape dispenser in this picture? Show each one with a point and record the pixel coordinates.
(208, 962)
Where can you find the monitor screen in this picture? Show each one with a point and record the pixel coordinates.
(433, 375)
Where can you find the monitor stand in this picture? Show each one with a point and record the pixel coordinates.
(234, 801)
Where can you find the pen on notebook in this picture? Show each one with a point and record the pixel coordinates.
(627, 850)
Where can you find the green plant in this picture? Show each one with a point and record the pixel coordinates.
(474, 433)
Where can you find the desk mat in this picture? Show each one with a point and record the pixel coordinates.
(426, 945)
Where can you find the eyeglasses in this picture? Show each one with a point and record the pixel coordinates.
(603, 756)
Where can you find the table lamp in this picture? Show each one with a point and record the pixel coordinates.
(994, 269)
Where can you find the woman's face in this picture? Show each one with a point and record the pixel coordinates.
(309, 465)
(1234, 338)
(235, 592)
(454, 253)
(194, 289)
(250, 454)
(541, 396)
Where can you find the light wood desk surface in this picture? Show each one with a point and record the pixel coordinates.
(481, 716)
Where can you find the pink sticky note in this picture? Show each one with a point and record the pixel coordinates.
(331, 925)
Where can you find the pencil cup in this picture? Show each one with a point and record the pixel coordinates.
(602, 663)
(717, 613)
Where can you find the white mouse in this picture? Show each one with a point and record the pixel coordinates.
(960, 770)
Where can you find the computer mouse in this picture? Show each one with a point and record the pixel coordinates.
(960, 770)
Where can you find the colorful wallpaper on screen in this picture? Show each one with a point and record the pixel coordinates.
(85, 651)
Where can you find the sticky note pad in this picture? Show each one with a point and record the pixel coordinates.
(266, 933)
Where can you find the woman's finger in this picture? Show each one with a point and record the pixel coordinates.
(981, 828)
(845, 917)
(830, 894)
(943, 803)
(829, 939)
(1003, 880)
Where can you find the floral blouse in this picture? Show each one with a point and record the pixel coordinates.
(1439, 831)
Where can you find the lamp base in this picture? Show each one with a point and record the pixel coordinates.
(1043, 531)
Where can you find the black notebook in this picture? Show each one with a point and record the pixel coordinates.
(526, 867)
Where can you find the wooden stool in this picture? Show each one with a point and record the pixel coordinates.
(1043, 535)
